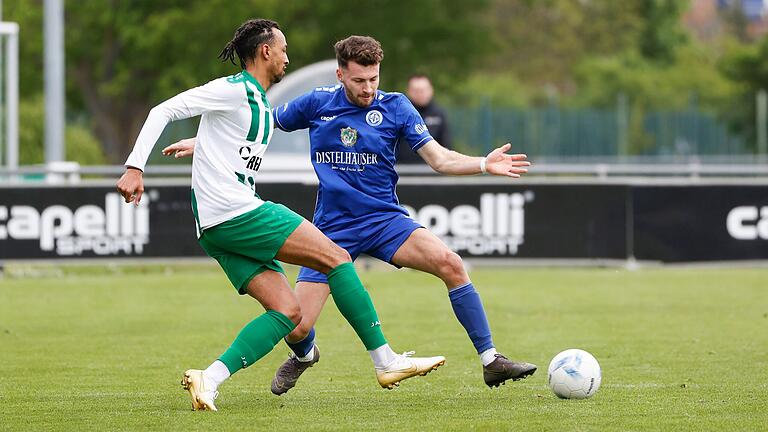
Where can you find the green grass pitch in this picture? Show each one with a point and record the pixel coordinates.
(103, 349)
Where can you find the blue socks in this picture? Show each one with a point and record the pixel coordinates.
(469, 310)
(467, 307)
(303, 347)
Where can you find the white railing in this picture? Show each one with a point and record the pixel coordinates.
(301, 171)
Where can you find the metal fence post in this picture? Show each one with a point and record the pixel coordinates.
(11, 31)
(486, 130)
(622, 125)
(53, 35)
(761, 124)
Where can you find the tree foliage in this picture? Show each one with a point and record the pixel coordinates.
(747, 67)
(661, 33)
(124, 56)
(82, 146)
(542, 41)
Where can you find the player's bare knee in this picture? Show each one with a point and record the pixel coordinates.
(293, 312)
(338, 256)
(451, 267)
(301, 331)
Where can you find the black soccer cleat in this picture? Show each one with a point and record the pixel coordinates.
(289, 372)
(503, 369)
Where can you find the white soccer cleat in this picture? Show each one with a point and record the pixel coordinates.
(404, 367)
(202, 395)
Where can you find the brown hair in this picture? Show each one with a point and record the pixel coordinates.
(363, 50)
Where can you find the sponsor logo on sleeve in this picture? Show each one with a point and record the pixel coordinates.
(420, 128)
(327, 89)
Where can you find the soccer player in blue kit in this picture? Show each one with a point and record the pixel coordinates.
(354, 130)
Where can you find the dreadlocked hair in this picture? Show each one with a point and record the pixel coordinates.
(248, 37)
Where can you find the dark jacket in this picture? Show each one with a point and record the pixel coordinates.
(437, 123)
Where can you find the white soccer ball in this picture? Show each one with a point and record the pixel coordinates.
(574, 374)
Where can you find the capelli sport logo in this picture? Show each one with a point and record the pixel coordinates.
(495, 225)
(112, 229)
(748, 223)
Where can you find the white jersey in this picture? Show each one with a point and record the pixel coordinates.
(234, 133)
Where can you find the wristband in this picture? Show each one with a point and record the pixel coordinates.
(482, 166)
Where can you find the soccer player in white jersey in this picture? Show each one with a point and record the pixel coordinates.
(354, 130)
(247, 235)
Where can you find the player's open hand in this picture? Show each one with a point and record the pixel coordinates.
(180, 149)
(131, 185)
(498, 162)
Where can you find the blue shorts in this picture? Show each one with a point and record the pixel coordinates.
(379, 238)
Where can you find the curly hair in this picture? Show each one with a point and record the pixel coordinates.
(363, 50)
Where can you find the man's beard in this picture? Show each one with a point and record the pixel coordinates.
(276, 78)
(356, 100)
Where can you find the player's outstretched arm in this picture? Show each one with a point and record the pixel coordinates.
(131, 183)
(180, 149)
(216, 95)
(498, 162)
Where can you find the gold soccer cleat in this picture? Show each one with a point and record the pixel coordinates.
(202, 398)
(405, 367)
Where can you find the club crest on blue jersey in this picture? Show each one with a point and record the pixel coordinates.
(374, 118)
(348, 136)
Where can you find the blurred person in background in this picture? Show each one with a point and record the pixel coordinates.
(421, 94)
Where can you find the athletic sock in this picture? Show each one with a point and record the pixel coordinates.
(355, 305)
(469, 310)
(256, 339)
(382, 356)
(303, 347)
(488, 356)
(216, 373)
(307, 358)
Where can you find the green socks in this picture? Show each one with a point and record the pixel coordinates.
(257, 339)
(259, 336)
(355, 304)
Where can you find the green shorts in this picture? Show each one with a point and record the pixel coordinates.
(245, 246)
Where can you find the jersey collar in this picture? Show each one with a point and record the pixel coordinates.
(252, 80)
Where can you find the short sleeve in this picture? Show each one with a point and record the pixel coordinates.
(295, 114)
(411, 126)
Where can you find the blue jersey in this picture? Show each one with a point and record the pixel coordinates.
(353, 150)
